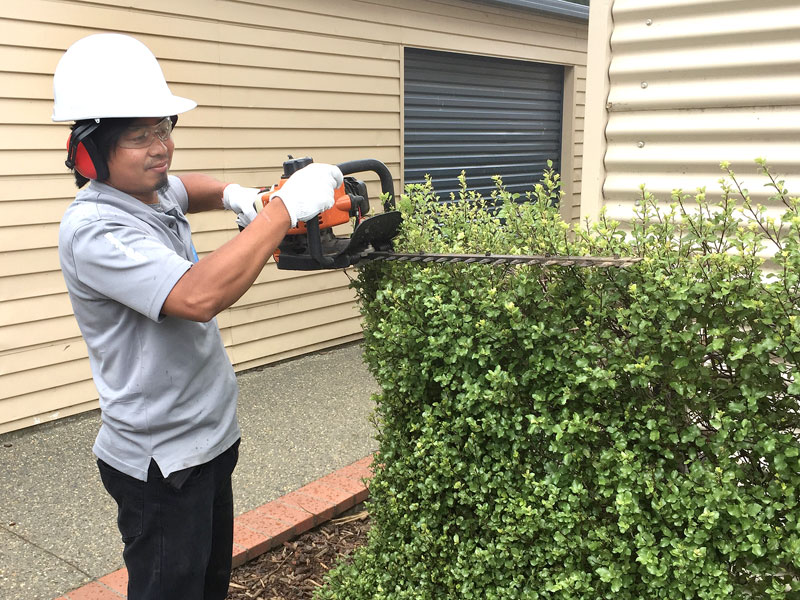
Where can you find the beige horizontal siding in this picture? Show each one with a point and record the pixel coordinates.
(271, 78)
(691, 84)
(572, 198)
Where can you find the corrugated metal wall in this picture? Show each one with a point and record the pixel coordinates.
(272, 77)
(486, 116)
(695, 82)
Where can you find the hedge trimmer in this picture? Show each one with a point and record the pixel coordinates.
(312, 245)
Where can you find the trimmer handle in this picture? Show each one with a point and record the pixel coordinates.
(348, 168)
(315, 243)
(377, 167)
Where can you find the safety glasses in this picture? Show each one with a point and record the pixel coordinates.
(141, 136)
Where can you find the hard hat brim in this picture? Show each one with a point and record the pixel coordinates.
(174, 105)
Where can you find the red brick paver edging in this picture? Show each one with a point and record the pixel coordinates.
(267, 526)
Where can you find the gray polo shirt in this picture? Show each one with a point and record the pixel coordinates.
(167, 388)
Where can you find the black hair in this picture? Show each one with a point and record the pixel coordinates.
(105, 138)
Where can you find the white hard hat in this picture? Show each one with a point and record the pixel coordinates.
(109, 75)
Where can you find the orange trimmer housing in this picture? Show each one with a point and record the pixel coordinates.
(350, 202)
(341, 211)
(313, 245)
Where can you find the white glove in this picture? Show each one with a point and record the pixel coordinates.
(309, 191)
(243, 201)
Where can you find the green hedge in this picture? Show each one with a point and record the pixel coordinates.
(587, 433)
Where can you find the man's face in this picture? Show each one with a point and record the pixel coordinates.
(141, 171)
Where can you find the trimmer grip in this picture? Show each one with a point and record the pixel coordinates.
(336, 215)
(377, 167)
(315, 243)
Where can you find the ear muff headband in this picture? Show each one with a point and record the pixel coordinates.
(83, 155)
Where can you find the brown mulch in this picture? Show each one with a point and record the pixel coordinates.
(296, 569)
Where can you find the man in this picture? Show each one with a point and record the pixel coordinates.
(146, 305)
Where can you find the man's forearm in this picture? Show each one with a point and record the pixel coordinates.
(222, 277)
(205, 192)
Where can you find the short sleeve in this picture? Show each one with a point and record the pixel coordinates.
(125, 263)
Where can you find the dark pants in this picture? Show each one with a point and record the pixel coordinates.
(178, 542)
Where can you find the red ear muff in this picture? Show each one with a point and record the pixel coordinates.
(84, 163)
(82, 153)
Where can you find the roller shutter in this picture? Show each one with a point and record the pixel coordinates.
(486, 116)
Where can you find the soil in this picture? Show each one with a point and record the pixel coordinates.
(296, 569)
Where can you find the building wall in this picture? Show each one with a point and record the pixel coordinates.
(677, 86)
(271, 77)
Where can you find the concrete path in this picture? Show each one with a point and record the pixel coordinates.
(300, 420)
